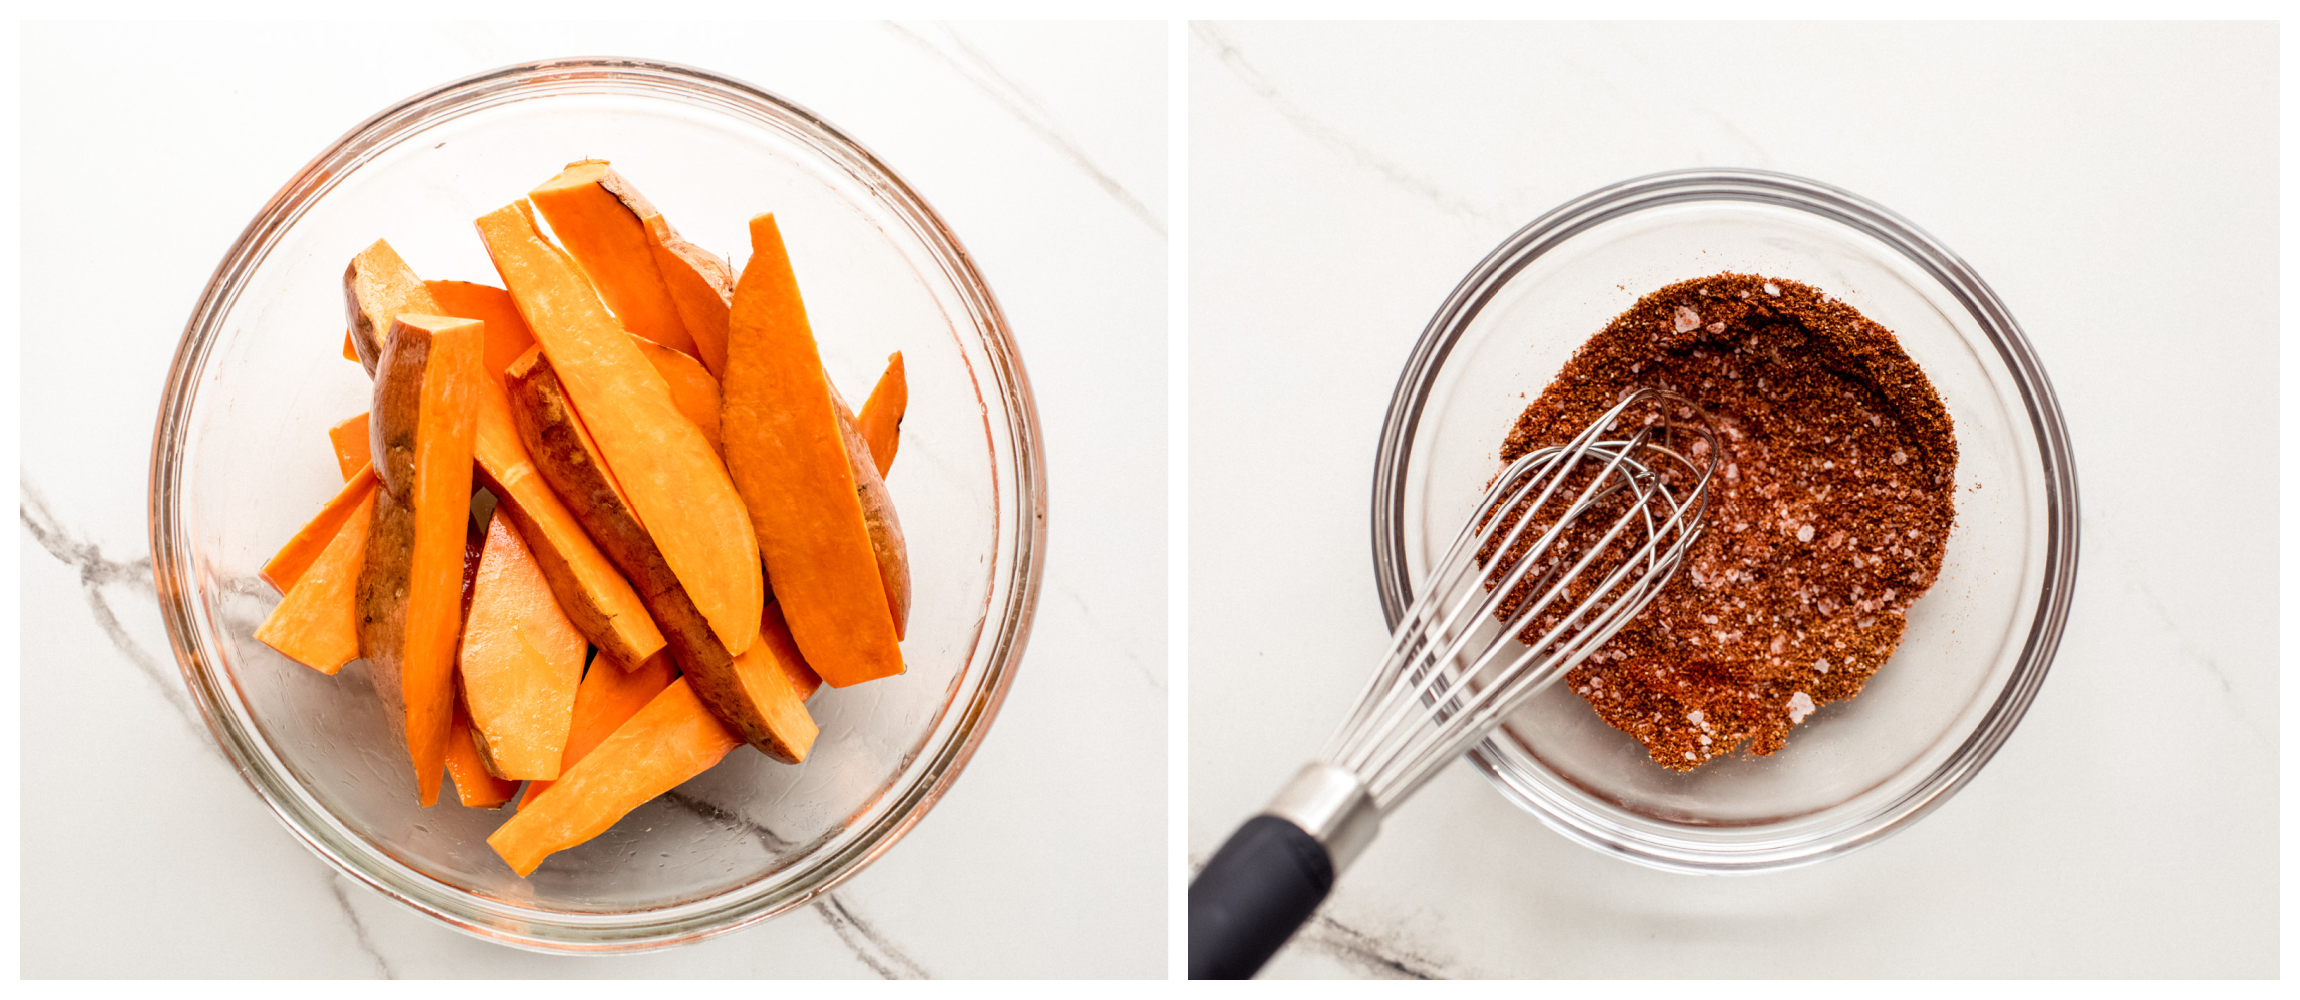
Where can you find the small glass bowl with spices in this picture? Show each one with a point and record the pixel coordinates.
(1882, 586)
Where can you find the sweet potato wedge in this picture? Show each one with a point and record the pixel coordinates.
(317, 624)
(350, 441)
(886, 541)
(881, 419)
(520, 660)
(671, 740)
(678, 486)
(289, 564)
(789, 460)
(555, 435)
(611, 694)
(587, 210)
(428, 379)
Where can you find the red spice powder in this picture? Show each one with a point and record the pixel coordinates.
(1826, 522)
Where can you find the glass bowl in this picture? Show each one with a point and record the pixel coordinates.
(240, 459)
(1977, 645)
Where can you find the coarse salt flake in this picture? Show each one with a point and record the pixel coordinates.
(1805, 534)
(1800, 706)
(1772, 289)
(1695, 717)
(1686, 319)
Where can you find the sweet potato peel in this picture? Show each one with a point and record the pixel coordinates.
(789, 459)
(410, 587)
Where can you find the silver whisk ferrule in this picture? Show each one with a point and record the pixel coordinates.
(1570, 543)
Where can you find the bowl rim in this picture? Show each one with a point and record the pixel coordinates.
(1011, 601)
(1561, 810)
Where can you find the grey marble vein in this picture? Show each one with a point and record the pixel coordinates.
(1125, 649)
(978, 70)
(869, 944)
(1373, 956)
(358, 926)
(772, 841)
(96, 573)
(1318, 129)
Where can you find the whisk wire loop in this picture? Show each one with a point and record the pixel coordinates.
(1450, 673)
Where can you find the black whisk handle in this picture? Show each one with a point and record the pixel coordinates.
(1260, 887)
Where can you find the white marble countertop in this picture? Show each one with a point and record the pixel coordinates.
(2116, 185)
(145, 148)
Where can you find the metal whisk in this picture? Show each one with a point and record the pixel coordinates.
(1571, 542)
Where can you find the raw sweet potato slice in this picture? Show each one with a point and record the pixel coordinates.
(427, 384)
(587, 210)
(317, 534)
(677, 484)
(520, 660)
(474, 787)
(507, 335)
(378, 287)
(350, 353)
(693, 390)
(881, 419)
(611, 694)
(317, 624)
(350, 441)
(886, 542)
(671, 740)
(554, 435)
(700, 286)
(789, 460)
(775, 677)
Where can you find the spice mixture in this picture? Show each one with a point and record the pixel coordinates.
(1826, 521)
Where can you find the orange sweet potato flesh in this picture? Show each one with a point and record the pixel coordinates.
(507, 335)
(520, 660)
(881, 419)
(288, 566)
(350, 441)
(607, 239)
(789, 459)
(317, 624)
(427, 384)
(700, 286)
(555, 435)
(693, 390)
(474, 787)
(596, 597)
(886, 541)
(671, 740)
(611, 694)
(677, 484)
(350, 353)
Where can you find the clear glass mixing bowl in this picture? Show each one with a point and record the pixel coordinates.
(1978, 644)
(240, 459)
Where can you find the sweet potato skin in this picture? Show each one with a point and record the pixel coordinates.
(555, 438)
(886, 541)
(378, 286)
(411, 582)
